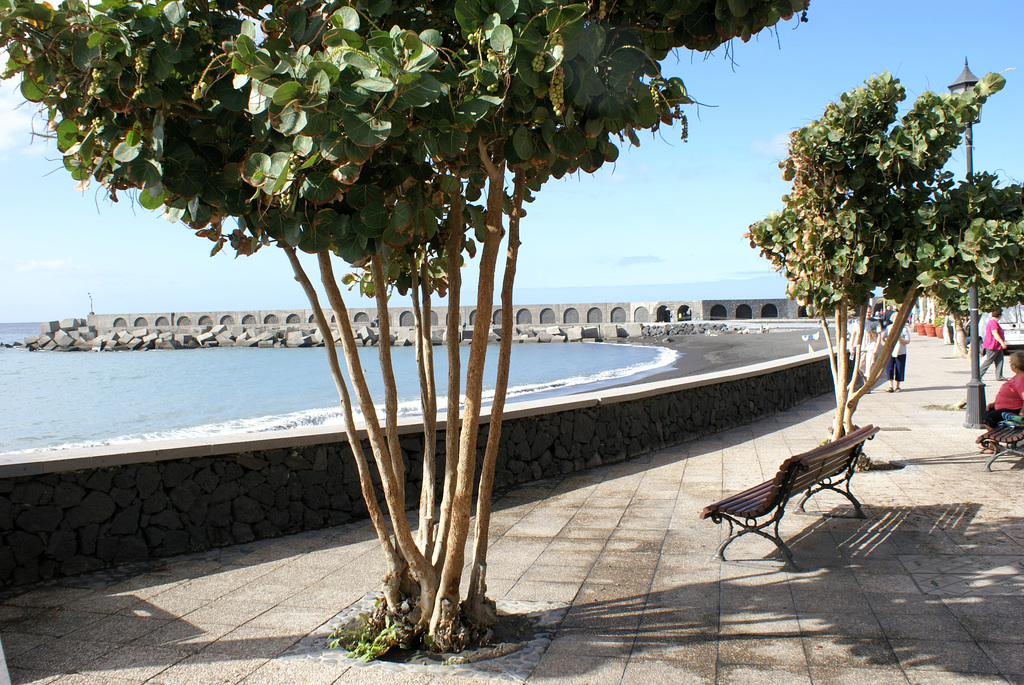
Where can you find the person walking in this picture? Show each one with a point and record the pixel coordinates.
(869, 351)
(994, 346)
(896, 366)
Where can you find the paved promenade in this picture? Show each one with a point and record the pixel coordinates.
(928, 589)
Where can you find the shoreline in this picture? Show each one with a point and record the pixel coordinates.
(709, 353)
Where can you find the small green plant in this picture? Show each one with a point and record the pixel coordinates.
(367, 641)
(939, 320)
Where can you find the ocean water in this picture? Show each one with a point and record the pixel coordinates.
(77, 399)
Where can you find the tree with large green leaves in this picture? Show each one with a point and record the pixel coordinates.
(871, 208)
(398, 137)
(991, 233)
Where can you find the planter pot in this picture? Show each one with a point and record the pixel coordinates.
(919, 327)
(929, 330)
(939, 332)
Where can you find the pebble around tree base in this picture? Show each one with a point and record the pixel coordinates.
(515, 667)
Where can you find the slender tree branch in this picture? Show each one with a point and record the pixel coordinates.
(394, 562)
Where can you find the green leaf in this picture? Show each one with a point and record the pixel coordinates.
(469, 14)
(376, 84)
(125, 152)
(67, 135)
(432, 38)
(245, 48)
(33, 91)
(256, 168)
(149, 201)
(365, 130)
(501, 38)
(401, 216)
(558, 17)
(504, 8)
(175, 13)
(287, 92)
(346, 18)
(374, 218)
(425, 90)
(522, 141)
(290, 121)
(319, 187)
(83, 54)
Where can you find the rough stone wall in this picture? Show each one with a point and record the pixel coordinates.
(73, 522)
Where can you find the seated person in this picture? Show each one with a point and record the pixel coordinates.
(1010, 397)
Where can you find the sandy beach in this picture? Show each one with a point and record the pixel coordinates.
(727, 350)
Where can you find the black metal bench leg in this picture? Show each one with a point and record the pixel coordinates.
(790, 564)
(858, 511)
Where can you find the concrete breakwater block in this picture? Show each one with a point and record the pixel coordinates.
(77, 335)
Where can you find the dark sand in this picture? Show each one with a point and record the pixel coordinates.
(727, 350)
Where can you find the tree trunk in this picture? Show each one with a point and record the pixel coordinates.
(395, 565)
(478, 607)
(444, 628)
(421, 571)
(428, 404)
(452, 421)
(960, 336)
(899, 321)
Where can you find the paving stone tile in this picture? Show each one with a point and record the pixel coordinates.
(207, 668)
(935, 655)
(668, 672)
(856, 625)
(591, 643)
(762, 651)
(293, 671)
(674, 645)
(15, 643)
(567, 669)
(184, 635)
(26, 676)
(118, 629)
(227, 611)
(133, 662)
(1008, 657)
(60, 656)
(763, 675)
(836, 651)
(849, 675)
(760, 623)
(255, 642)
(56, 622)
(922, 623)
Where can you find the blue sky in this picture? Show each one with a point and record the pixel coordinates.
(666, 222)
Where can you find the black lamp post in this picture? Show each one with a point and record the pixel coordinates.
(975, 388)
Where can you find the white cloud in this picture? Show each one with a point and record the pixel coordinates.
(65, 265)
(775, 147)
(639, 259)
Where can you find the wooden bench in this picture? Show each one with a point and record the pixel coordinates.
(1002, 440)
(828, 467)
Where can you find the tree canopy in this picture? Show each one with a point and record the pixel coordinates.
(871, 208)
(399, 136)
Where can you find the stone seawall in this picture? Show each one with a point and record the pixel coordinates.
(76, 335)
(69, 513)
